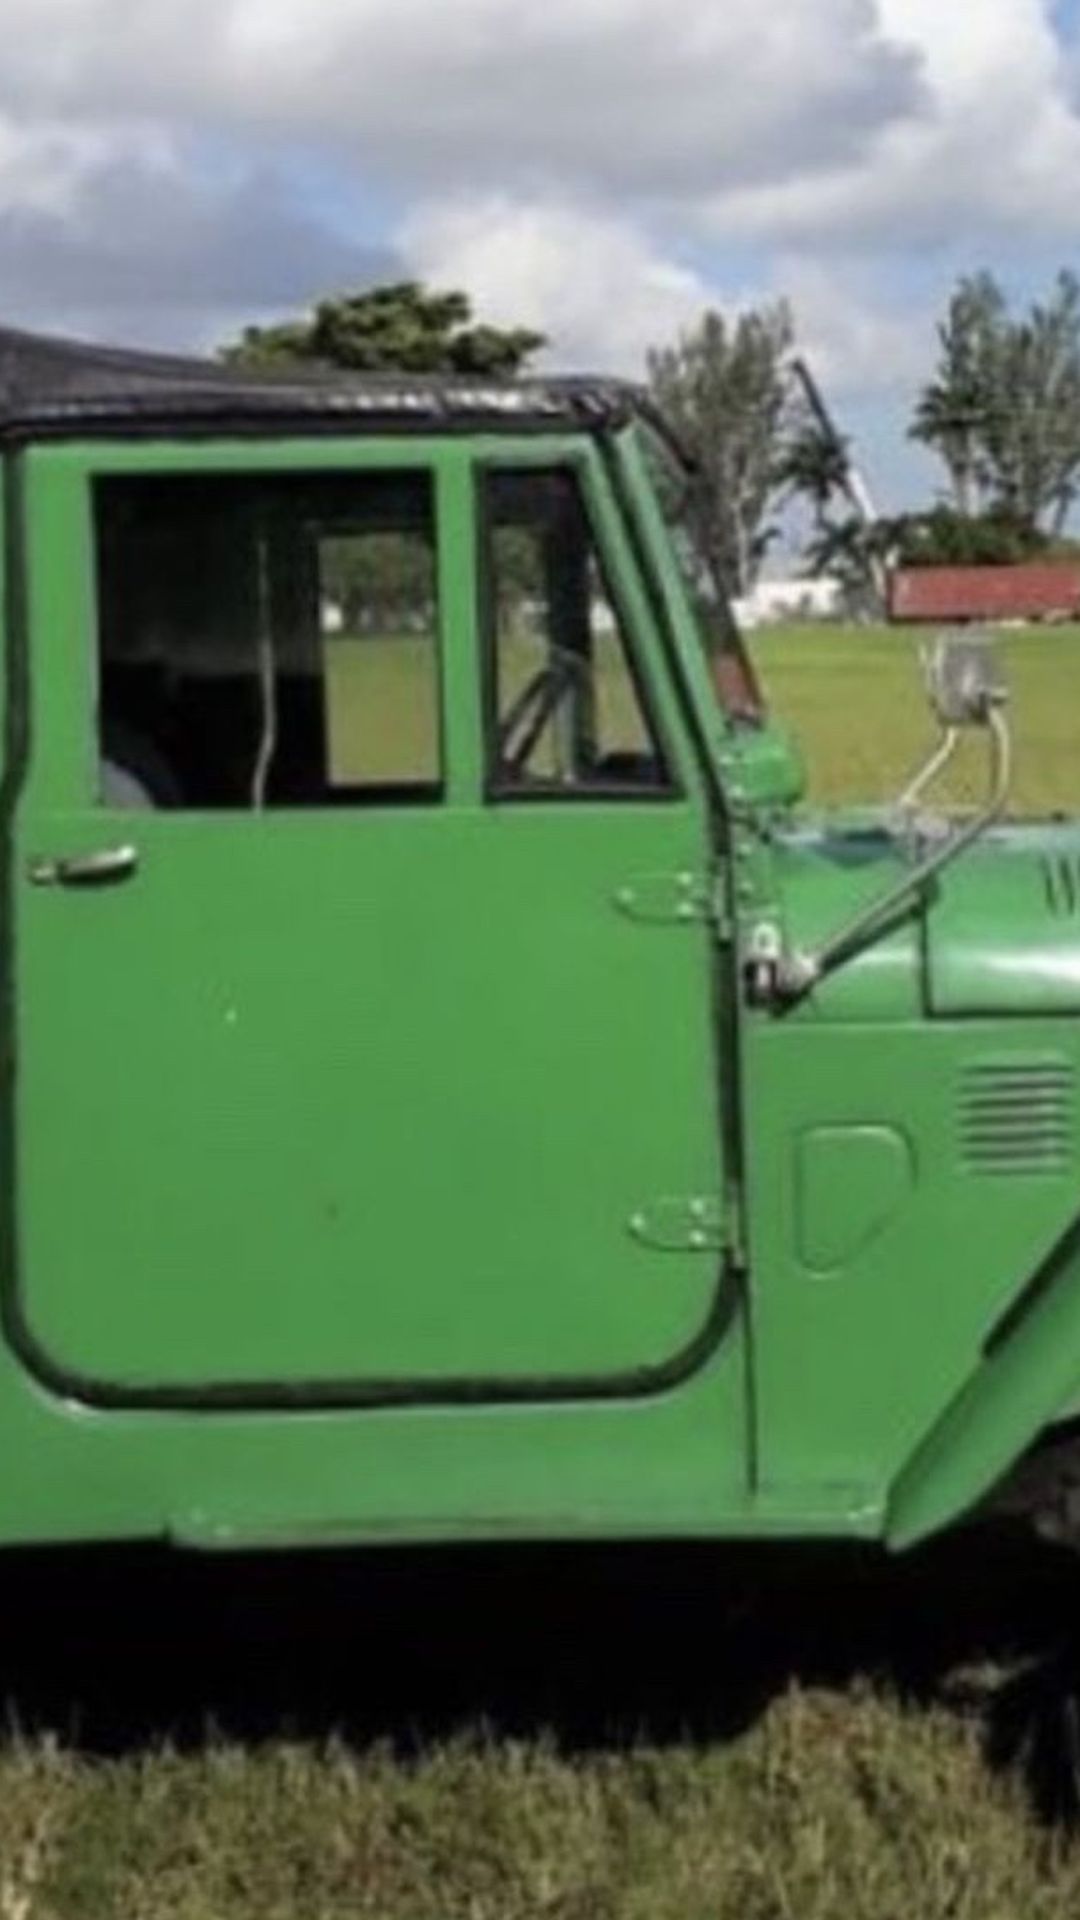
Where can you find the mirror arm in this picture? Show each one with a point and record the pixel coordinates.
(797, 973)
(926, 775)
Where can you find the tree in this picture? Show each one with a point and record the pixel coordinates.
(724, 389)
(402, 328)
(1033, 432)
(848, 551)
(379, 583)
(816, 465)
(945, 538)
(954, 410)
(1003, 409)
(813, 463)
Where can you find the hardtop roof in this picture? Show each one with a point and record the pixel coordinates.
(52, 387)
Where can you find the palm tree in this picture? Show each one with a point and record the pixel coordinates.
(955, 408)
(814, 465)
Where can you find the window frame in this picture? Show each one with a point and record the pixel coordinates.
(496, 791)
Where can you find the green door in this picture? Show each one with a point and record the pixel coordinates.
(364, 1044)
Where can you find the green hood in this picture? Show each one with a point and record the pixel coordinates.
(999, 932)
(1003, 934)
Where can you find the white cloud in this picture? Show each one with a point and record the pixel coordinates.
(43, 164)
(994, 147)
(592, 282)
(796, 117)
(572, 164)
(858, 342)
(604, 291)
(122, 237)
(608, 92)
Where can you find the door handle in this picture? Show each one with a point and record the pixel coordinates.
(100, 869)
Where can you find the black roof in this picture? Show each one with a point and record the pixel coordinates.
(56, 387)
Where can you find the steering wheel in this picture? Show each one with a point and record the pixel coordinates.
(529, 713)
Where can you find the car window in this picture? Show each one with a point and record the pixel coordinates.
(568, 713)
(267, 642)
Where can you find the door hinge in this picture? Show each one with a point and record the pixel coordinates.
(677, 1224)
(678, 899)
(735, 1226)
(663, 899)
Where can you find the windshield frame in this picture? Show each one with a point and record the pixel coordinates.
(722, 666)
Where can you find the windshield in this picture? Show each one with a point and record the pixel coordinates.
(678, 489)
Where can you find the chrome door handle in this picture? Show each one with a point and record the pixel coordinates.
(99, 869)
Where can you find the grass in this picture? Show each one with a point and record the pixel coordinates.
(854, 698)
(679, 1734)
(836, 1805)
(864, 1782)
(367, 680)
(382, 705)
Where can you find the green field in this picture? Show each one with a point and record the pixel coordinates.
(382, 706)
(854, 698)
(831, 1767)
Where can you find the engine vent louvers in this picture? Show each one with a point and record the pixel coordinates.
(1017, 1116)
(1061, 884)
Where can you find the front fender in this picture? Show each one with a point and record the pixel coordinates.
(1028, 1372)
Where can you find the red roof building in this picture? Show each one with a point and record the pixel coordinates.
(1037, 590)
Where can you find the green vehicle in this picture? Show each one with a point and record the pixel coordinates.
(448, 1090)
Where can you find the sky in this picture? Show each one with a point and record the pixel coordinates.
(600, 169)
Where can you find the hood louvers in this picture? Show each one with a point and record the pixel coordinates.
(1017, 1116)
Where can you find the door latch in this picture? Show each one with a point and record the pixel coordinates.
(99, 869)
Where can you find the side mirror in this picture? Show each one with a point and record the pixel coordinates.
(964, 679)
